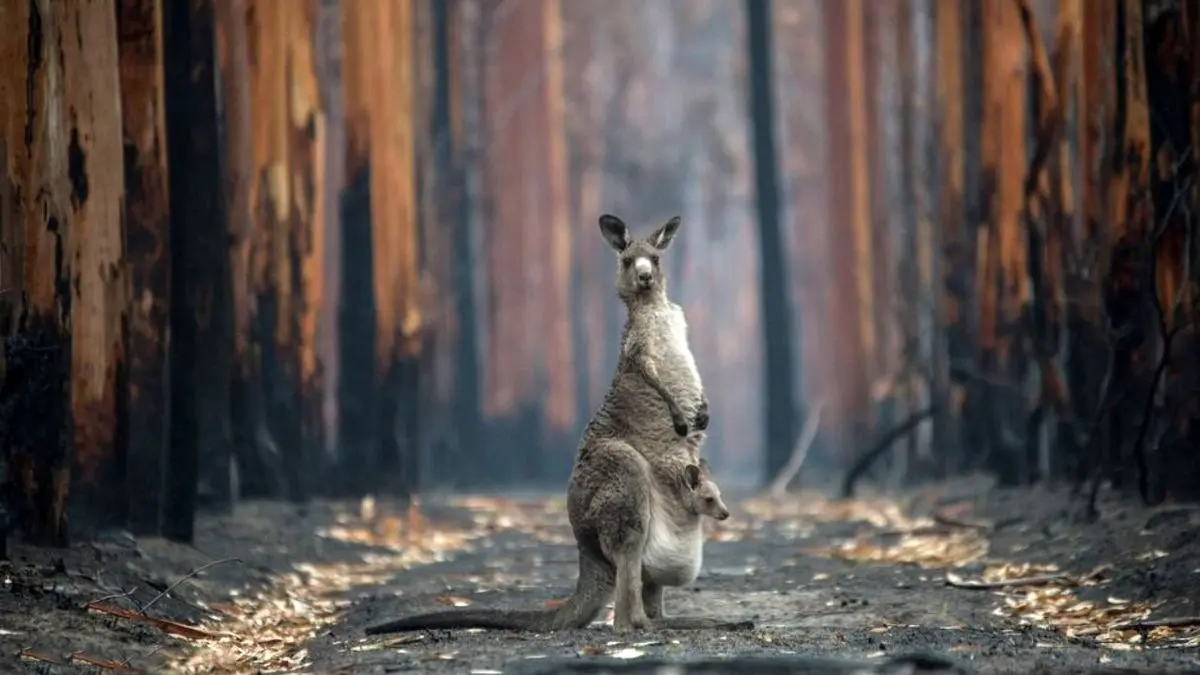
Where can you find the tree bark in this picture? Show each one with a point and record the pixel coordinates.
(781, 409)
(147, 237)
(955, 234)
(64, 266)
(1002, 280)
(360, 459)
(560, 394)
(256, 459)
(306, 138)
(398, 319)
(849, 203)
(201, 316)
(96, 249)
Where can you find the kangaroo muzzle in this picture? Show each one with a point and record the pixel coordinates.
(644, 271)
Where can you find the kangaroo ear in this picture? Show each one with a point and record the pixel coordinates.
(691, 476)
(615, 232)
(662, 237)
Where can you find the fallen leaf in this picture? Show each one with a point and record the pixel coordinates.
(104, 664)
(453, 601)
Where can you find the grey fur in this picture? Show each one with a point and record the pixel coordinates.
(631, 495)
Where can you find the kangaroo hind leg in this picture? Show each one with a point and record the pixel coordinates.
(629, 613)
(652, 599)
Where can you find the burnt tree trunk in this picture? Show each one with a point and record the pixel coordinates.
(200, 314)
(63, 309)
(306, 138)
(778, 339)
(256, 458)
(360, 461)
(147, 234)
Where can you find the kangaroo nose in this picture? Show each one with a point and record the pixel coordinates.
(644, 270)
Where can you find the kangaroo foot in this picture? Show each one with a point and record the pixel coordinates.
(629, 624)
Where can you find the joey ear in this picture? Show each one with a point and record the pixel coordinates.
(662, 237)
(615, 232)
(704, 468)
(691, 476)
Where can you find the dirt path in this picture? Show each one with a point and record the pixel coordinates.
(860, 580)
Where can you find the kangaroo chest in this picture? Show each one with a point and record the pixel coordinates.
(670, 328)
(673, 555)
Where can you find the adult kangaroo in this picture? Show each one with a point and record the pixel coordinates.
(628, 495)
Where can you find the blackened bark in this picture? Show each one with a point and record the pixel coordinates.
(201, 297)
(356, 324)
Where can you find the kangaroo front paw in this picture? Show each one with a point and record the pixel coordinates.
(701, 422)
(680, 423)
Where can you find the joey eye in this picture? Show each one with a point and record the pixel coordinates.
(708, 500)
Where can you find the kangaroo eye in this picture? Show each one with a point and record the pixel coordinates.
(626, 262)
(654, 259)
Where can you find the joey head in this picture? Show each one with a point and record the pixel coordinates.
(702, 495)
(654, 342)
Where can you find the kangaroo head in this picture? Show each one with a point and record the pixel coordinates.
(638, 269)
(703, 495)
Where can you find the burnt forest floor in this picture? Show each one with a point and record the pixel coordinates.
(290, 589)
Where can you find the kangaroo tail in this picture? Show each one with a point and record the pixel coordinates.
(592, 592)
(496, 619)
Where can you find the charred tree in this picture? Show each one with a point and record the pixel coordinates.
(465, 120)
(306, 247)
(147, 238)
(328, 54)
(380, 320)
(63, 308)
(259, 468)
(458, 442)
(956, 235)
(1128, 298)
(399, 322)
(96, 251)
(274, 272)
(359, 470)
(1002, 286)
(778, 337)
(200, 303)
(1163, 444)
(1088, 326)
(850, 290)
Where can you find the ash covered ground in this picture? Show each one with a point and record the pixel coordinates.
(995, 581)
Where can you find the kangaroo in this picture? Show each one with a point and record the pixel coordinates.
(655, 368)
(635, 530)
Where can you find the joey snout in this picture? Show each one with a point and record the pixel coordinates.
(722, 514)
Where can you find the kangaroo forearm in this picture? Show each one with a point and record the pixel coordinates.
(649, 371)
